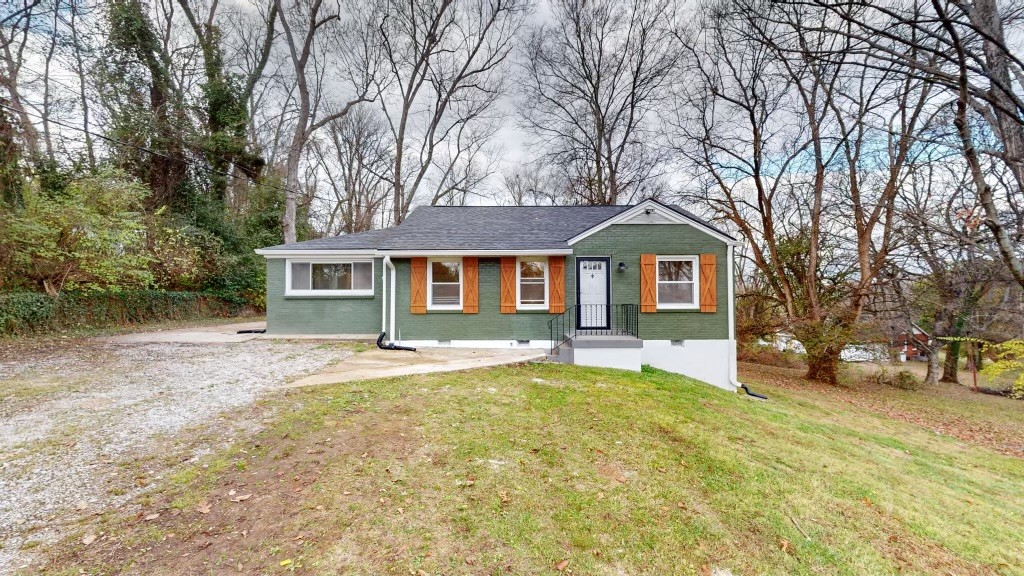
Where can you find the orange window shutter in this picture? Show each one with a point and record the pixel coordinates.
(418, 286)
(470, 285)
(556, 284)
(708, 283)
(648, 283)
(508, 285)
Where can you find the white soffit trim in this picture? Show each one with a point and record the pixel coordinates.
(313, 254)
(663, 210)
(408, 253)
(372, 253)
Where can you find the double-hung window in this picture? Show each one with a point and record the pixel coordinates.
(342, 278)
(444, 284)
(677, 282)
(532, 284)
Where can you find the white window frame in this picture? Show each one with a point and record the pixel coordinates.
(289, 291)
(547, 280)
(430, 284)
(696, 283)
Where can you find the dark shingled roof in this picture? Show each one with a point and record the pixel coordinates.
(481, 228)
(496, 227)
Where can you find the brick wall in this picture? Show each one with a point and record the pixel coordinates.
(622, 243)
(625, 243)
(318, 314)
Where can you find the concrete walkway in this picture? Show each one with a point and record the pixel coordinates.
(378, 363)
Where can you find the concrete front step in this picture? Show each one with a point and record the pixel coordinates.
(602, 351)
(603, 341)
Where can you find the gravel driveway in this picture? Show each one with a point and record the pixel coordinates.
(83, 424)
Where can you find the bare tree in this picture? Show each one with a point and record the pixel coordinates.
(17, 23)
(77, 45)
(945, 265)
(355, 158)
(594, 80)
(441, 78)
(962, 47)
(789, 147)
(323, 53)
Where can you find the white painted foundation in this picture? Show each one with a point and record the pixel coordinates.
(620, 358)
(711, 361)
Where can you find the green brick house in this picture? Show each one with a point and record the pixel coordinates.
(613, 286)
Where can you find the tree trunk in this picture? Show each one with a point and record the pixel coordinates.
(292, 186)
(824, 342)
(932, 376)
(950, 369)
(823, 363)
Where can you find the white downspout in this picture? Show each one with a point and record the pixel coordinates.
(732, 322)
(384, 297)
(390, 266)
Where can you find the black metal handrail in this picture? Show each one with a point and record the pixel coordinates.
(594, 320)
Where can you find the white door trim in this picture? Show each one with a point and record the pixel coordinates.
(608, 293)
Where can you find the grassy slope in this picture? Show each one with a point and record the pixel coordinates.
(517, 469)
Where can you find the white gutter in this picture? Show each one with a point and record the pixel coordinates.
(390, 266)
(384, 296)
(733, 379)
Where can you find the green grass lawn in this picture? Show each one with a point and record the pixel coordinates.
(540, 468)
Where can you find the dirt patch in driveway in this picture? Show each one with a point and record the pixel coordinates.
(87, 425)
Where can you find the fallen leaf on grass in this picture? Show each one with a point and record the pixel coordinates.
(241, 497)
(503, 495)
(620, 479)
(153, 516)
(89, 539)
(561, 566)
(786, 546)
(286, 562)
(203, 507)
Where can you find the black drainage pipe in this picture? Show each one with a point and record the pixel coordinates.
(752, 393)
(258, 331)
(390, 345)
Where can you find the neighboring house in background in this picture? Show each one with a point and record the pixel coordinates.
(611, 286)
(869, 352)
(912, 344)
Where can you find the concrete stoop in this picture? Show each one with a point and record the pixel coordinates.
(621, 352)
